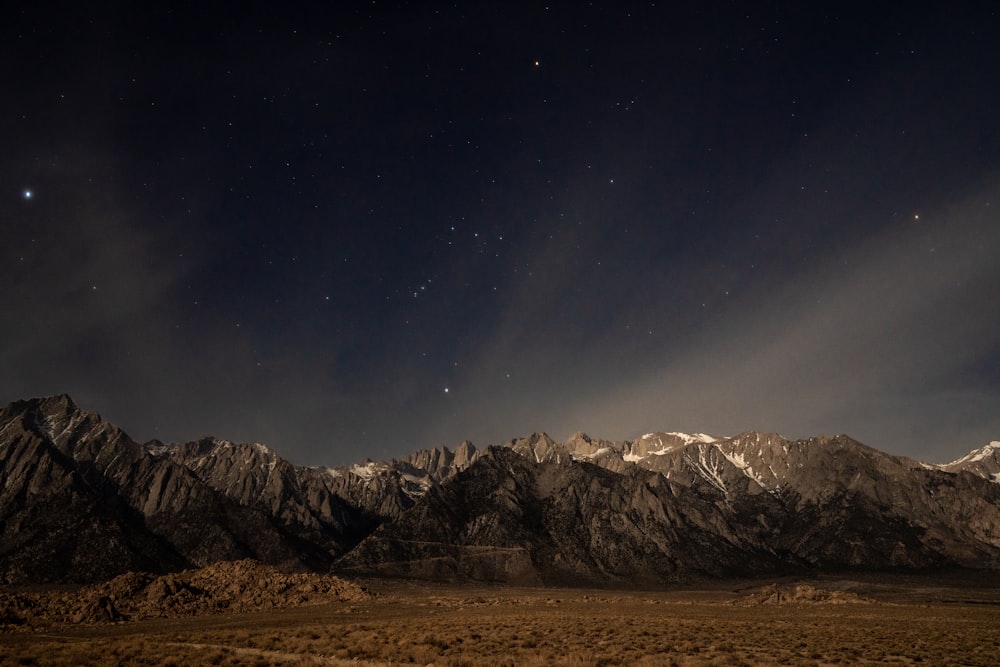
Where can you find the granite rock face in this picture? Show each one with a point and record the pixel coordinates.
(80, 502)
(546, 512)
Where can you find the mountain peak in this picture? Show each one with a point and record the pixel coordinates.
(986, 451)
(984, 462)
(57, 405)
(62, 402)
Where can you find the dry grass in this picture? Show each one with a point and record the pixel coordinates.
(413, 624)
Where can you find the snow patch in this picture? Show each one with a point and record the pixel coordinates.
(710, 470)
(686, 438)
(690, 438)
(978, 454)
(365, 471)
(740, 462)
(422, 481)
(599, 452)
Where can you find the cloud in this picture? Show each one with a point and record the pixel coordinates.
(867, 342)
(873, 340)
(90, 291)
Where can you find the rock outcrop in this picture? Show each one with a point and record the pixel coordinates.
(226, 587)
(799, 594)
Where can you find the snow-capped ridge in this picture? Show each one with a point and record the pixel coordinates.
(984, 462)
(687, 438)
(366, 470)
(694, 437)
(989, 450)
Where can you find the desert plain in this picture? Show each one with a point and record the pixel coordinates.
(826, 621)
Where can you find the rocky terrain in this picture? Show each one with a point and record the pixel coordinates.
(225, 587)
(82, 502)
(556, 521)
(799, 594)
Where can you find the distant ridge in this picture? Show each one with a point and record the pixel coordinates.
(81, 502)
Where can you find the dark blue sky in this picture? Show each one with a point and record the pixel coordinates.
(362, 230)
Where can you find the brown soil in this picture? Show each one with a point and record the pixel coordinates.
(919, 621)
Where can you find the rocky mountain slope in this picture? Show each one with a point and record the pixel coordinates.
(749, 505)
(80, 501)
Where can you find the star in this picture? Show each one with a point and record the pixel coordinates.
(27, 194)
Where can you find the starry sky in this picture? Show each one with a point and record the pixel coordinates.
(354, 230)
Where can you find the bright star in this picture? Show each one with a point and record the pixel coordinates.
(27, 194)
(446, 390)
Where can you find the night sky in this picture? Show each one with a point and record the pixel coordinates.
(353, 230)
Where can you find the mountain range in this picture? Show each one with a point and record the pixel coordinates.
(80, 501)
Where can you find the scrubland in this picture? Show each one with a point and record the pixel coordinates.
(407, 624)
